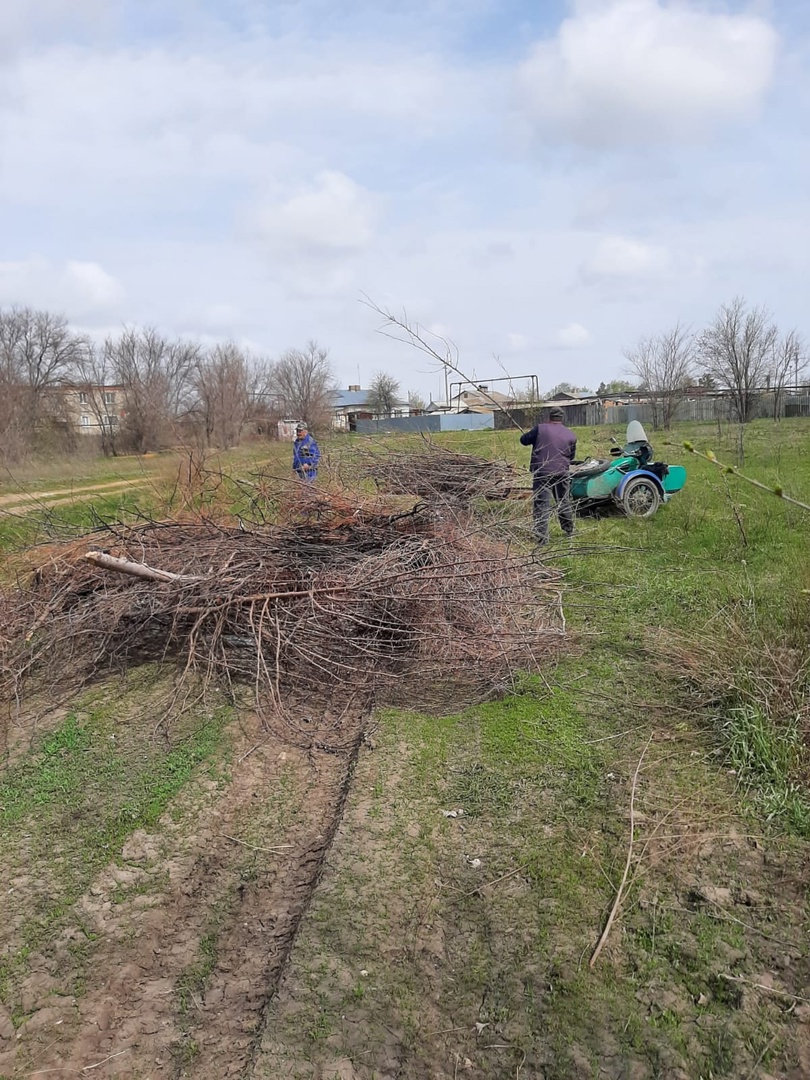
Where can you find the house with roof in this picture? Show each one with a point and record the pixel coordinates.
(351, 405)
(91, 409)
(479, 399)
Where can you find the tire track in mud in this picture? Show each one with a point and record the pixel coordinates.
(261, 940)
(140, 1015)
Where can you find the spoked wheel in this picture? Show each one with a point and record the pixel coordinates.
(641, 497)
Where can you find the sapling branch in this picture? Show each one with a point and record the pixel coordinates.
(732, 470)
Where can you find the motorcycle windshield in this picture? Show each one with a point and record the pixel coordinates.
(635, 433)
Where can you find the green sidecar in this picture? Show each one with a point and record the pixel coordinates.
(629, 479)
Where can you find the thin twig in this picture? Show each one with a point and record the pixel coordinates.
(761, 1058)
(620, 890)
(270, 850)
(765, 989)
(608, 738)
(503, 877)
(88, 1068)
(732, 470)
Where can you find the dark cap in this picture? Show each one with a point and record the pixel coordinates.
(556, 414)
(301, 426)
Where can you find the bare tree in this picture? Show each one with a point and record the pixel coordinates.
(37, 351)
(789, 361)
(383, 395)
(304, 384)
(737, 351)
(227, 384)
(156, 376)
(530, 395)
(664, 364)
(416, 401)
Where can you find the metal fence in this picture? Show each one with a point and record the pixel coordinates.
(709, 410)
(431, 422)
(590, 414)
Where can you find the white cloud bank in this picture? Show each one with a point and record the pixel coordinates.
(619, 257)
(83, 290)
(332, 216)
(626, 71)
(573, 336)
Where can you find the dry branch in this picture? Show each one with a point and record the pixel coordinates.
(133, 569)
(401, 329)
(440, 475)
(620, 891)
(345, 597)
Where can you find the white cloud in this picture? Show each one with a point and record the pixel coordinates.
(252, 182)
(83, 290)
(573, 336)
(21, 20)
(619, 257)
(121, 122)
(626, 71)
(99, 289)
(334, 216)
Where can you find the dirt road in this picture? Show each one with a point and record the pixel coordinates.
(15, 503)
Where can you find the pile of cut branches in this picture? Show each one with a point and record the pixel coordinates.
(381, 601)
(440, 475)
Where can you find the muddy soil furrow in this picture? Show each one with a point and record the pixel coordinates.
(176, 981)
(253, 954)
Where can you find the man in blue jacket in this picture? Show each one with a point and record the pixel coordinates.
(553, 449)
(306, 454)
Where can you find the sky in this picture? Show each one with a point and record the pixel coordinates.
(541, 182)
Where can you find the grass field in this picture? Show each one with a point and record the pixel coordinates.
(687, 627)
(479, 854)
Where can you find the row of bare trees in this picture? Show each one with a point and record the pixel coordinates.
(37, 350)
(742, 352)
(141, 390)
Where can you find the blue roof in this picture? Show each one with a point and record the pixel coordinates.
(344, 398)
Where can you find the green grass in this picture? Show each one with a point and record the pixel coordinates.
(27, 526)
(240, 482)
(79, 768)
(191, 984)
(83, 789)
(767, 756)
(82, 469)
(543, 778)
(544, 793)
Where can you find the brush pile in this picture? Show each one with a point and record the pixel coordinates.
(379, 600)
(441, 475)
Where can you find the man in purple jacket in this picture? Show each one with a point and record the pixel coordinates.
(553, 448)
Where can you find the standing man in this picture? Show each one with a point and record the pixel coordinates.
(553, 448)
(306, 454)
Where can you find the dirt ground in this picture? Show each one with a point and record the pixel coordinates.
(324, 902)
(444, 946)
(16, 502)
(164, 965)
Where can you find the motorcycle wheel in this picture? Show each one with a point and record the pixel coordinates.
(641, 497)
